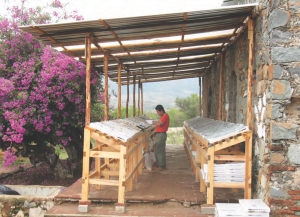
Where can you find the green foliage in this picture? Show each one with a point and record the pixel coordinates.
(189, 106)
(114, 113)
(175, 136)
(177, 117)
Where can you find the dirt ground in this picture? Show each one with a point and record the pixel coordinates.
(27, 174)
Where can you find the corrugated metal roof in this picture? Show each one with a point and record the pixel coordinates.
(213, 130)
(142, 40)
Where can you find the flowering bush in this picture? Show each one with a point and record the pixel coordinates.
(9, 157)
(42, 92)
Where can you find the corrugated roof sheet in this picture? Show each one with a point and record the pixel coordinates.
(153, 31)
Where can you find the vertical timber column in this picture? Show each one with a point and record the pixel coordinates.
(210, 187)
(142, 99)
(119, 90)
(122, 175)
(88, 79)
(127, 101)
(105, 69)
(250, 71)
(207, 93)
(200, 97)
(221, 88)
(134, 106)
(85, 165)
(139, 97)
(248, 162)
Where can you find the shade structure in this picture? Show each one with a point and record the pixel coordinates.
(154, 47)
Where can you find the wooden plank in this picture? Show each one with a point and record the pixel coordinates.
(121, 190)
(232, 142)
(230, 157)
(220, 111)
(130, 175)
(248, 175)
(133, 97)
(250, 72)
(142, 99)
(200, 96)
(139, 97)
(119, 90)
(229, 185)
(85, 165)
(105, 154)
(210, 176)
(110, 142)
(105, 70)
(98, 165)
(127, 101)
(110, 173)
(104, 182)
(88, 79)
(111, 149)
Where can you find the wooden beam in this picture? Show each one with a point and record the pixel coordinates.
(88, 79)
(150, 36)
(134, 106)
(105, 69)
(220, 111)
(127, 101)
(200, 96)
(250, 73)
(212, 49)
(119, 90)
(139, 97)
(142, 99)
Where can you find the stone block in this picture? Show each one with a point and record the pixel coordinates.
(283, 130)
(278, 18)
(293, 154)
(277, 71)
(261, 87)
(83, 208)
(276, 192)
(36, 212)
(281, 90)
(277, 158)
(120, 208)
(273, 111)
(285, 54)
(279, 37)
(207, 209)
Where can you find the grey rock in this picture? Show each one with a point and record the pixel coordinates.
(276, 112)
(293, 153)
(278, 71)
(285, 55)
(295, 70)
(280, 132)
(276, 192)
(278, 18)
(279, 37)
(287, 91)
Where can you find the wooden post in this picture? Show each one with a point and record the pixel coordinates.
(142, 99)
(127, 101)
(134, 96)
(105, 69)
(248, 164)
(86, 165)
(122, 167)
(200, 97)
(250, 71)
(139, 96)
(207, 92)
(210, 187)
(220, 88)
(88, 79)
(98, 164)
(119, 90)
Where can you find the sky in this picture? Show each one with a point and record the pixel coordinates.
(158, 92)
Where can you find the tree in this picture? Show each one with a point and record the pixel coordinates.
(42, 92)
(189, 106)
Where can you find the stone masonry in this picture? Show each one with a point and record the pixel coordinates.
(276, 100)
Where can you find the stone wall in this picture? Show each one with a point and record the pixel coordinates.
(276, 101)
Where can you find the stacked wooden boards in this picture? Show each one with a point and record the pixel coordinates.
(118, 152)
(215, 143)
